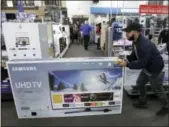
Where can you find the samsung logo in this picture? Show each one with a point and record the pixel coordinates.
(24, 68)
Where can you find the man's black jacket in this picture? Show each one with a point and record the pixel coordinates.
(145, 55)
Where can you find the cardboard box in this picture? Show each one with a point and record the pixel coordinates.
(66, 87)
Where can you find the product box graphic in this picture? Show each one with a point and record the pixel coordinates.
(66, 87)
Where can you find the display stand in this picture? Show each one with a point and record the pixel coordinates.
(121, 48)
(61, 39)
(103, 38)
(110, 42)
(61, 46)
(130, 82)
(6, 92)
(66, 87)
(51, 40)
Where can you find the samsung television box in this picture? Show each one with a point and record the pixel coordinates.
(66, 87)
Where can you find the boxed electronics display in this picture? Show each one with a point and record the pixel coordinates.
(66, 87)
(104, 34)
(66, 33)
(62, 43)
(117, 31)
(26, 40)
(50, 40)
(61, 39)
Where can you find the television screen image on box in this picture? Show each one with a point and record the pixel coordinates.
(22, 41)
(85, 80)
(84, 88)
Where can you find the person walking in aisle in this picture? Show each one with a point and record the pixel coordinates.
(146, 56)
(81, 36)
(164, 38)
(86, 29)
(75, 33)
(98, 34)
(71, 32)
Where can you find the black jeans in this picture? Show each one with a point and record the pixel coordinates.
(156, 82)
(86, 41)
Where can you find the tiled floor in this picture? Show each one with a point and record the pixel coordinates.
(77, 50)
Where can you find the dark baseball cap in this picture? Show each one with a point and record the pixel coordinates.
(134, 27)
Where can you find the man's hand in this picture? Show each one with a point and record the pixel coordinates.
(122, 62)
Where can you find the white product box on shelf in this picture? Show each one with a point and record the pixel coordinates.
(26, 40)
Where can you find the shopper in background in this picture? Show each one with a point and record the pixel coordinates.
(150, 37)
(146, 56)
(113, 20)
(98, 34)
(71, 32)
(164, 38)
(65, 34)
(78, 24)
(75, 33)
(81, 36)
(86, 29)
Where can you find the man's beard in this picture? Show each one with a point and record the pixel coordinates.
(131, 38)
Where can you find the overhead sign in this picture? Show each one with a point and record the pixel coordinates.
(129, 10)
(153, 9)
(66, 87)
(107, 10)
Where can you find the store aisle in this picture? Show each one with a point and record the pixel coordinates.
(77, 50)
